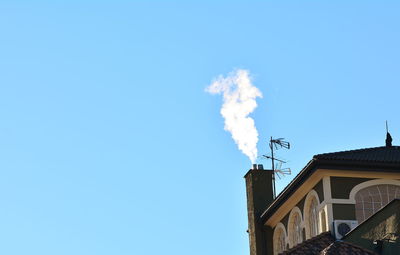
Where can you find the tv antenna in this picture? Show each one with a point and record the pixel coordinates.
(277, 168)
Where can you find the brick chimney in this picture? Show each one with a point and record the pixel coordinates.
(259, 189)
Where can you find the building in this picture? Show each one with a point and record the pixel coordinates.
(340, 203)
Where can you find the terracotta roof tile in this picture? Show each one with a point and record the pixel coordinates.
(344, 248)
(325, 244)
(311, 246)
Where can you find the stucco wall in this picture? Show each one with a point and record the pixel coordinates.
(319, 188)
(320, 191)
(344, 212)
(380, 226)
(341, 186)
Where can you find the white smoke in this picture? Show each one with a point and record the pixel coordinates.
(239, 97)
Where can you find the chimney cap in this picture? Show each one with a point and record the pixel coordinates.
(257, 167)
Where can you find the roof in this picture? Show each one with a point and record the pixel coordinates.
(385, 158)
(387, 154)
(344, 248)
(311, 246)
(325, 244)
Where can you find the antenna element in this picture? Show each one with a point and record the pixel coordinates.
(277, 169)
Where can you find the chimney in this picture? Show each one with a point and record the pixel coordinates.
(259, 189)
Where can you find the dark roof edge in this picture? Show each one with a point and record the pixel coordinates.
(315, 164)
(351, 151)
(288, 190)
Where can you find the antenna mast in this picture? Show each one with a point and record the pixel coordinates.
(277, 169)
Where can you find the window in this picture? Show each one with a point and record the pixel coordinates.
(370, 199)
(295, 229)
(313, 217)
(279, 239)
(311, 214)
(323, 221)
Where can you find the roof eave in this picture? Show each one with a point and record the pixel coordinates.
(315, 164)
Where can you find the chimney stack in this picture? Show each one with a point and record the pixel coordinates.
(259, 189)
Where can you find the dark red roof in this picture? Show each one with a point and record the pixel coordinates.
(387, 154)
(311, 246)
(325, 244)
(344, 248)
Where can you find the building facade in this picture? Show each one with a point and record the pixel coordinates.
(335, 193)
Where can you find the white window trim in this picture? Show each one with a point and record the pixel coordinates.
(323, 217)
(357, 188)
(328, 200)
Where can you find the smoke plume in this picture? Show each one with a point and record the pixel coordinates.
(239, 100)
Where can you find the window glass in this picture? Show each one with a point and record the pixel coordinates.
(280, 242)
(323, 221)
(295, 230)
(369, 200)
(313, 217)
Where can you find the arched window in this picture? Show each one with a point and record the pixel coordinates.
(279, 239)
(313, 218)
(311, 214)
(323, 221)
(295, 229)
(296, 233)
(370, 199)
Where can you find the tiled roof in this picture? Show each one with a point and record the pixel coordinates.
(325, 244)
(344, 248)
(311, 246)
(387, 154)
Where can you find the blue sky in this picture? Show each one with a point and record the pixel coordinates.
(109, 144)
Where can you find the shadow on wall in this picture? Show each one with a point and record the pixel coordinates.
(380, 232)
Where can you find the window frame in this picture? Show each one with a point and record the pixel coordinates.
(311, 196)
(279, 229)
(295, 212)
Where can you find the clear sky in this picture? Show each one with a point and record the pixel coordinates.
(110, 145)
